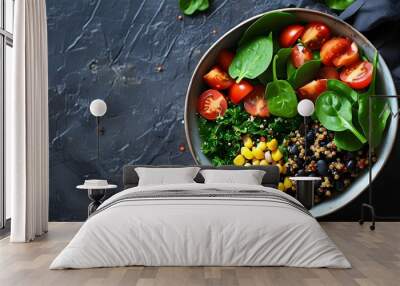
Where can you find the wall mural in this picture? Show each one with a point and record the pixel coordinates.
(139, 56)
(248, 103)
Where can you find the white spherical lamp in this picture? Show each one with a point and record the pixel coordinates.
(98, 107)
(305, 107)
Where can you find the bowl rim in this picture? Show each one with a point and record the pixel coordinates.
(375, 171)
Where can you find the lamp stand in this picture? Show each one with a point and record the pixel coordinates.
(369, 204)
(99, 131)
(305, 141)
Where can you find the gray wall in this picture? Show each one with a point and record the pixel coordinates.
(110, 50)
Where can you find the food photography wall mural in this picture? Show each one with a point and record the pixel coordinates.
(219, 83)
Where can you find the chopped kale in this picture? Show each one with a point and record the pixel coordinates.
(222, 138)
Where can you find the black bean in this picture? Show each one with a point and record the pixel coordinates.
(310, 137)
(322, 167)
(323, 143)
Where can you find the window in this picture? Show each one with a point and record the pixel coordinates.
(6, 44)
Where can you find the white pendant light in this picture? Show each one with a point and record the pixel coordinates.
(305, 107)
(98, 107)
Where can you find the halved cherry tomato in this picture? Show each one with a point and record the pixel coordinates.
(218, 79)
(328, 73)
(224, 59)
(315, 35)
(300, 55)
(211, 104)
(238, 91)
(255, 103)
(334, 48)
(347, 58)
(312, 89)
(358, 75)
(290, 35)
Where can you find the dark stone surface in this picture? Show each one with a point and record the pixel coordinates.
(111, 50)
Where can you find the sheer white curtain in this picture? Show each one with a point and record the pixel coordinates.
(27, 124)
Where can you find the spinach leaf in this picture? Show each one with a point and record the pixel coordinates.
(342, 89)
(283, 55)
(273, 21)
(338, 4)
(335, 113)
(379, 114)
(281, 62)
(345, 140)
(281, 98)
(188, 7)
(252, 59)
(304, 74)
(290, 69)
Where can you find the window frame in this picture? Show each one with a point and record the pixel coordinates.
(6, 39)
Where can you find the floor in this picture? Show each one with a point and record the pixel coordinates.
(375, 257)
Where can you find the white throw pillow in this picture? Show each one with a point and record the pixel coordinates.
(248, 177)
(163, 176)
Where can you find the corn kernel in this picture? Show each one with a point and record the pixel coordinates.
(258, 153)
(256, 162)
(272, 145)
(277, 155)
(239, 160)
(262, 146)
(264, 163)
(248, 142)
(287, 183)
(246, 153)
(281, 187)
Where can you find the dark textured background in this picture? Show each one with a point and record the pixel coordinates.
(111, 50)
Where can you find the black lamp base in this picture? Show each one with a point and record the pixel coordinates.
(96, 197)
(305, 193)
(372, 209)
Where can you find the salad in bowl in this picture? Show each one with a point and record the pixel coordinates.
(246, 106)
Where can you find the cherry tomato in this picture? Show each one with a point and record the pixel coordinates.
(358, 75)
(347, 58)
(334, 48)
(300, 55)
(238, 91)
(312, 89)
(224, 59)
(328, 73)
(255, 103)
(211, 104)
(290, 35)
(218, 79)
(315, 35)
